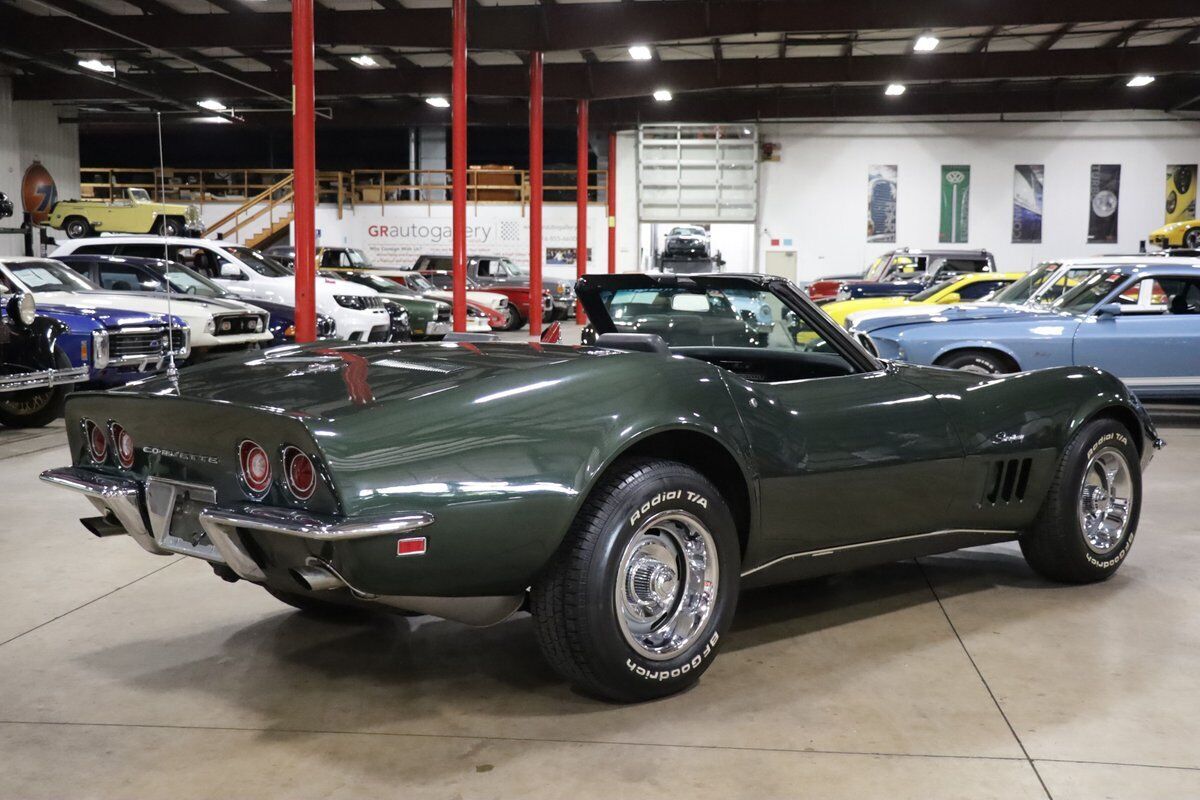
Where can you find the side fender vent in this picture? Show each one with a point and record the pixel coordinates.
(1007, 481)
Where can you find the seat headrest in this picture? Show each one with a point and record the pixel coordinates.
(641, 342)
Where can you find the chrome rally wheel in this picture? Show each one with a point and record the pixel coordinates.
(667, 583)
(1105, 498)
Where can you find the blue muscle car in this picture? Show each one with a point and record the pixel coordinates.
(1136, 317)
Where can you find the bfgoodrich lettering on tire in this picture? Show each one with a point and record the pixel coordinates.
(636, 602)
(1089, 519)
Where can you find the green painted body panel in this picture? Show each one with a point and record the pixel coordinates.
(421, 312)
(502, 443)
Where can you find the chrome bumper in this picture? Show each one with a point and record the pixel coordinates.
(38, 380)
(145, 512)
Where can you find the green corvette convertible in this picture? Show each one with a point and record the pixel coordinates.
(720, 433)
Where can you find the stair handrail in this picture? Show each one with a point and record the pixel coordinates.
(264, 196)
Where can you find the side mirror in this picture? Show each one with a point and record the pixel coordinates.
(1109, 310)
(552, 334)
(953, 297)
(230, 272)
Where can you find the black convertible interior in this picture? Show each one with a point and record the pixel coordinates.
(751, 363)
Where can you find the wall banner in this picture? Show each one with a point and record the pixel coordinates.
(1028, 180)
(956, 203)
(881, 202)
(1105, 197)
(1181, 193)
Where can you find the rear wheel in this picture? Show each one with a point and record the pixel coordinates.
(77, 228)
(980, 362)
(1087, 523)
(644, 586)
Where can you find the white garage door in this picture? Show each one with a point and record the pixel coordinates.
(698, 173)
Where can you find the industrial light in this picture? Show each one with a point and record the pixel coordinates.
(96, 65)
(364, 60)
(1140, 80)
(895, 89)
(438, 102)
(211, 105)
(640, 52)
(926, 43)
(662, 96)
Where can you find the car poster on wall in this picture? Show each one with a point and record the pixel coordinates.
(881, 202)
(1028, 180)
(1181, 193)
(1105, 195)
(956, 203)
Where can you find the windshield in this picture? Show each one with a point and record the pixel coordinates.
(1091, 291)
(260, 263)
(1020, 291)
(419, 282)
(513, 268)
(374, 281)
(921, 297)
(139, 195)
(358, 258)
(689, 317)
(183, 279)
(50, 276)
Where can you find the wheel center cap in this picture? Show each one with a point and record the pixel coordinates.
(653, 583)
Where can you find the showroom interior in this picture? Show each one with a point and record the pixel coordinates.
(530, 398)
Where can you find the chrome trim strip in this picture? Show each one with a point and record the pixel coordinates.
(37, 380)
(826, 551)
(305, 525)
(121, 496)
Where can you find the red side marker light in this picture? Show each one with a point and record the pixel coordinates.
(411, 547)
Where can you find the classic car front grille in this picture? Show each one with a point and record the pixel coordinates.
(236, 324)
(1007, 481)
(443, 314)
(142, 343)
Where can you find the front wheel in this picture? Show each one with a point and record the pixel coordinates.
(1191, 239)
(168, 227)
(35, 408)
(512, 319)
(643, 588)
(979, 362)
(1089, 518)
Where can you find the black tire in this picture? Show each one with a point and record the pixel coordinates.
(328, 609)
(575, 606)
(35, 408)
(981, 362)
(1056, 546)
(1191, 239)
(512, 319)
(77, 228)
(168, 226)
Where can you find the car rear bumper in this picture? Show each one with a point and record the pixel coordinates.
(15, 382)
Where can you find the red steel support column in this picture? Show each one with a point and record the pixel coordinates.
(304, 178)
(535, 196)
(458, 154)
(611, 192)
(581, 201)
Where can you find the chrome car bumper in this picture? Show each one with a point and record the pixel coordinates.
(37, 380)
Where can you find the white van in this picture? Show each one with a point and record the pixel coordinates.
(359, 311)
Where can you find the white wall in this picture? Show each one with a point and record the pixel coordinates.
(816, 195)
(31, 131)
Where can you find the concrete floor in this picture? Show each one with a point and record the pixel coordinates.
(959, 676)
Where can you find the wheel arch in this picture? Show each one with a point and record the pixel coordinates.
(1118, 413)
(985, 347)
(702, 452)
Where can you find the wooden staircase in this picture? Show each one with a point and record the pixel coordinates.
(274, 203)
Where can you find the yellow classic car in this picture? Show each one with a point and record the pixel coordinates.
(133, 213)
(1185, 233)
(974, 286)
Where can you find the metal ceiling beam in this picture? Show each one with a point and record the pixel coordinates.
(612, 80)
(573, 26)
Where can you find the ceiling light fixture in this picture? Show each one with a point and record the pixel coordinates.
(925, 43)
(1140, 80)
(895, 89)
(96, 65)
(662, 96)
(640, 52)
(438, 102)
(211, 105)
(364, 60)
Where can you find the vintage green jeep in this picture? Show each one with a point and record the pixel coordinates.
(133, 213)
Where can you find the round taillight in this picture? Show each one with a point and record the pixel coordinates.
(299, 472)
(123, 443)
(255, 467)
(97, 441)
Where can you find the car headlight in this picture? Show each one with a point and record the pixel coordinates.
(23, 309)
(210, 326)
(100, 351)
(355, 301)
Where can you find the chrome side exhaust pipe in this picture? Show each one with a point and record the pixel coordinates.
(317, 579)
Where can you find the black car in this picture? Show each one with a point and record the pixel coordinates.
(35, 375)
